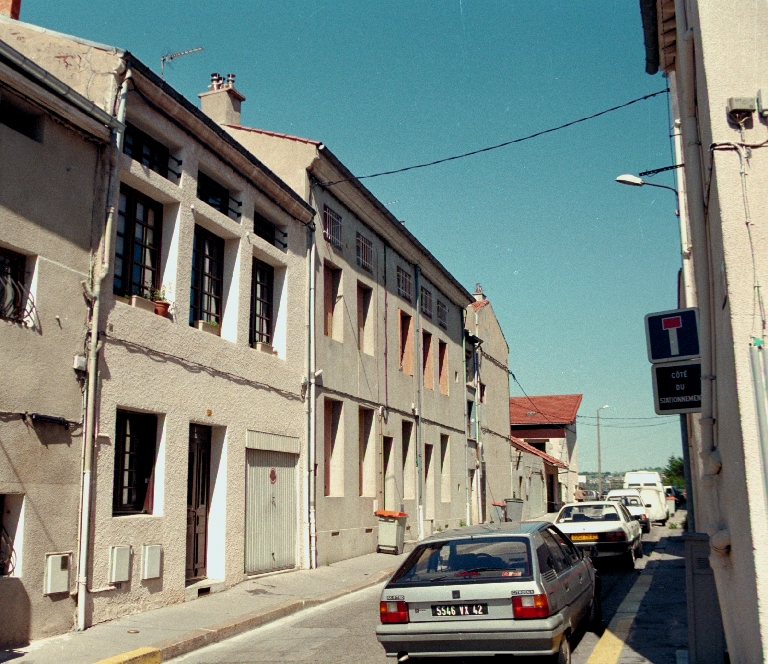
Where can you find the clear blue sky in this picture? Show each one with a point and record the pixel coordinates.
(571, 260)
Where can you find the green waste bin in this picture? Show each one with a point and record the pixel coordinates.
(514, 509)
(391, 531)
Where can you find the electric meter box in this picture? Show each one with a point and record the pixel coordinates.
(56, 577)
(151, 561)
(119, 564)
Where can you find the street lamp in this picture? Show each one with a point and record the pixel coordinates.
(599, 463)
(635, 181)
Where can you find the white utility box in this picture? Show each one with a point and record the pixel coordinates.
(56, 578)
(151, 561)
(119, 564)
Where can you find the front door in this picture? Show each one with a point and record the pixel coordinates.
(198, 498)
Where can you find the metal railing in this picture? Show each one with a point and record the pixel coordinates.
(17, 303)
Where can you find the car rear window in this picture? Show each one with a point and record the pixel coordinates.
(462, 561)
(586, 513)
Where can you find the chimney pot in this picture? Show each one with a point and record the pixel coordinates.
(231, 80)
(221, 102)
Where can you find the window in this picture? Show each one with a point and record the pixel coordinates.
(137, 248)
(404, 288)
(333, 457)
(11, 533)
(471, 417)
(364, 249)
(445, 469)
(21, 117)
(442, 314)
(426, 302)
(147, 151)
(266, 230)
(334, 322)
(482, 392)
(442, 366)
(406, 343)
(205, 297)
(135, 439)
(559, 560)
(262, 300)
(12, 293)
(332, 226)
(364, 326)
(367, 457)
(216, 195)
(427, 367)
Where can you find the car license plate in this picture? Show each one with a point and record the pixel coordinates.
(459, 610)
(584, 538)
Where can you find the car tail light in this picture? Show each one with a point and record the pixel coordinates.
(530, 606)
(393, 612)
(619, 536)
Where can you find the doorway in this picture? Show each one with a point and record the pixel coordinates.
(198, 500)
(429, 483)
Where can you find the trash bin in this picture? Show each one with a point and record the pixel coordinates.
(391, 531)
(514, 509)
(499, 512)
(671, 505)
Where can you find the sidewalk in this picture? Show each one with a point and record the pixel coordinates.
(174, 630)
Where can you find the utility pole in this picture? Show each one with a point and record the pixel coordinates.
(599, 461)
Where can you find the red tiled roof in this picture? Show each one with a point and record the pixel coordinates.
(525, 447)
(479, 305)
(550, 409)
(276, 134)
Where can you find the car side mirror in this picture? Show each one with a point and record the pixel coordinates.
(636, 517)
(648, 505)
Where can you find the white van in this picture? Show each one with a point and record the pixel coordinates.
(648, 483)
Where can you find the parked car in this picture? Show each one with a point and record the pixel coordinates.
(604, 528)
(501, 589)
(648, 483)
(590, 494)
(632, 500)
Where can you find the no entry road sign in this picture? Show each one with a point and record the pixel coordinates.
(677, 388)
(672, 335)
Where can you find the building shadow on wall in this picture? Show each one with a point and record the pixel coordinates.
(15, 626)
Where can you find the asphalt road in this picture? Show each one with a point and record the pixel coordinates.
(343, 631)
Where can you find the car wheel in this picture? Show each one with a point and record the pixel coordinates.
(647, 527)
(663, 522)
(563, 655)
(639, 549)
(628, 560)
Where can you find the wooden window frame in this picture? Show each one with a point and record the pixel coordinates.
(148, 245)
(332, 421)
(404, 284)
(405, 337)
(442, 314)
(364, 301)
(426, 302)
(213, 193)
(149, 152)
(202, 293)
(266, 230)
(12, 292)
(427, 361)
(332, 287)
(332, 227)
(261, 324)
(364, 252)
(134, 476)
(442, 366)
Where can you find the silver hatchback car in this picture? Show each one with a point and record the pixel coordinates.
(501, 589)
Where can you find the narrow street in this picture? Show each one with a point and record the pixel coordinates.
(344, 630)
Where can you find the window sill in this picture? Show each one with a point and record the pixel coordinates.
(205, 326)
(264, 348)
(142, 303)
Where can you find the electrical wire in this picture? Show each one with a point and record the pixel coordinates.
(499, 145)
(594, 417)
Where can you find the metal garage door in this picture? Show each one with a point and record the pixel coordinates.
(270, 513)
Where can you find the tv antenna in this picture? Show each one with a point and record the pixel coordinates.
(172, 56)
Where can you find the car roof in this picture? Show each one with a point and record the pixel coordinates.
(488, 530)
(590, 502)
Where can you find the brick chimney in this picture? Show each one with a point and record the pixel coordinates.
(10, 8)
(221, 102)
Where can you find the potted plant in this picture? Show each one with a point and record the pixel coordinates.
(161, 304)
(210, 326)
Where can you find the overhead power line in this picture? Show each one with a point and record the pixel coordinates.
(500, 145)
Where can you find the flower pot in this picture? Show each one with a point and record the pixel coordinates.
(205, 326)
(161, 308)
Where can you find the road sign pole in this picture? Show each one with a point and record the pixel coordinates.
(599, 465)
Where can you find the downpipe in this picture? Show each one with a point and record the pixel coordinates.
(312, 407)
(94, 345)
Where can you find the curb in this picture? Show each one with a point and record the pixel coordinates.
(167, 649)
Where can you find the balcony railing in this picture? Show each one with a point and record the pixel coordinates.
(17, 303)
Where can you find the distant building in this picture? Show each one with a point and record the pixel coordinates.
(548, 424)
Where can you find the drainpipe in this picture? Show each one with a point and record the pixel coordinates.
(312, 439)
(419, 380)
(480, 456)
(466, 416)
(94, 345)
(691, 144)
(305, 534)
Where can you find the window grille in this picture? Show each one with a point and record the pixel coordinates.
(364, 253)
(266, 230)
(207, 277)
(137, 247)
(146, 150)
(404, 287)
(135, 440)
(332, 226)
(262, 300)
(211, 192)
(442, 314)
(12, 291)
(426, 302)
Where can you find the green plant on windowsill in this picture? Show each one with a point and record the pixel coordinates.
(157, 294)
(462, 523)
(213, 323)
